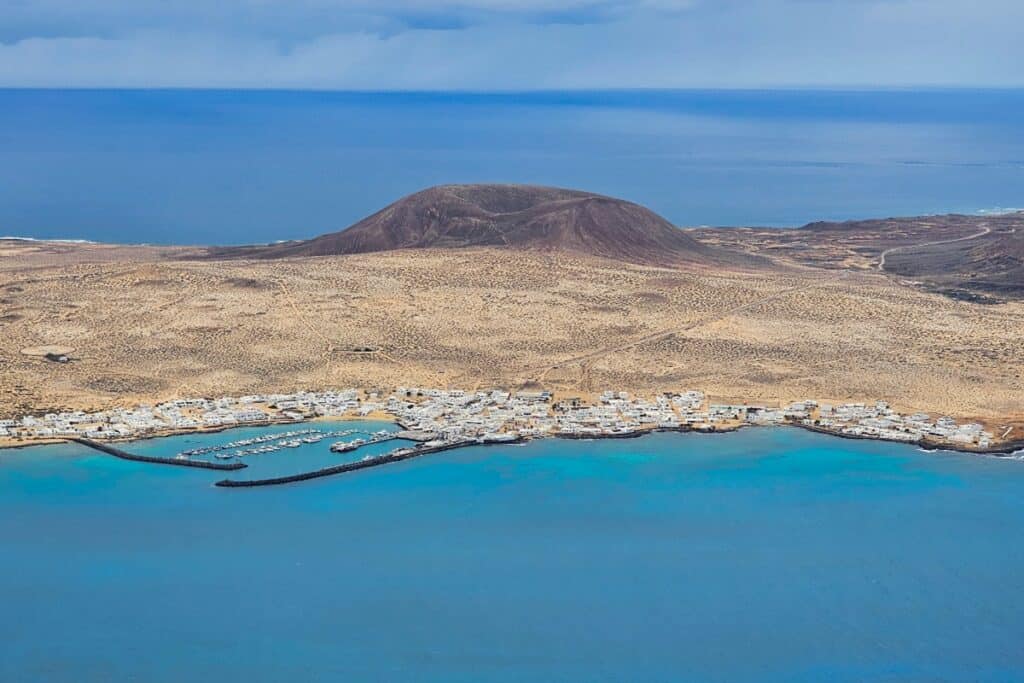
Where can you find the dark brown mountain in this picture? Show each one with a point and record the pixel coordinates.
(513, 216)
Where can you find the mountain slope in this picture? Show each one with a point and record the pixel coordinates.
(512, 216)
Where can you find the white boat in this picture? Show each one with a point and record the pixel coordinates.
(346, 446)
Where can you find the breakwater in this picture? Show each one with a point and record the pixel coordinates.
(586, 436)
(125, 455)
(395, 456)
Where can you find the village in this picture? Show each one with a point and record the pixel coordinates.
(445, 416)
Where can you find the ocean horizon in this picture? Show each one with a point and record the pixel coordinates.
(575, 399)
(170, 166)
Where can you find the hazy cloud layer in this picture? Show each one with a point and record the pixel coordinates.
(510, 44)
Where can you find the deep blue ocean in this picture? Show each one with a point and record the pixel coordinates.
(180, 166)
(764, 555)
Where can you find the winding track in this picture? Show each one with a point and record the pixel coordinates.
(881, 260)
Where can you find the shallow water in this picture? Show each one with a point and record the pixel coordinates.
(764, 555)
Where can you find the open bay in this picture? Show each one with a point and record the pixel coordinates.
(763, 555)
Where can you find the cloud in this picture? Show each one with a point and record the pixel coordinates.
(510, 44)
(296, 18)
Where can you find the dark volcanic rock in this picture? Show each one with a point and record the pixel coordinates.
(979, 259)
(513, 216)
(990, 264)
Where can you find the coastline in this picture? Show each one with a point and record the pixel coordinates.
(1002, 449)
(421, 449)
(10, 444)
(402, 454)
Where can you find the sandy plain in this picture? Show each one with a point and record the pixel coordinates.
(148, 324)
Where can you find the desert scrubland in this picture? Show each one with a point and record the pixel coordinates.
(145, 323)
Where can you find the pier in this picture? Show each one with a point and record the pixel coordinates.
(588, 436)
(395, 456)
(125, 455)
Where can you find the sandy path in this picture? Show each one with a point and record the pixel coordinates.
(881, 259)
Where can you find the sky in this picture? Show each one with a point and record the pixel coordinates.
(510, 44)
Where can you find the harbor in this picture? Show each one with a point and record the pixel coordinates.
(179, 462)
(397, 455)
(270, 443)
(452, 418)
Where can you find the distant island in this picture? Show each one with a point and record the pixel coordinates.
(516, 288)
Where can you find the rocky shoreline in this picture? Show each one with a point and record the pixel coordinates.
(1002, 449)
(446, 416)
(1006, 450)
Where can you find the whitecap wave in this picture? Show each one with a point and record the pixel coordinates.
(999, 211)
(14, 238)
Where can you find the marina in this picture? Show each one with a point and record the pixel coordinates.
(266, 444)
(438, 421)
(397, 455)
(376, 437)
(492, 416)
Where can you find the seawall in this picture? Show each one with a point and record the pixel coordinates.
(583, 436)
(358, 465)
(125, 455)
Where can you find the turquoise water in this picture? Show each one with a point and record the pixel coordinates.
(765, 555)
